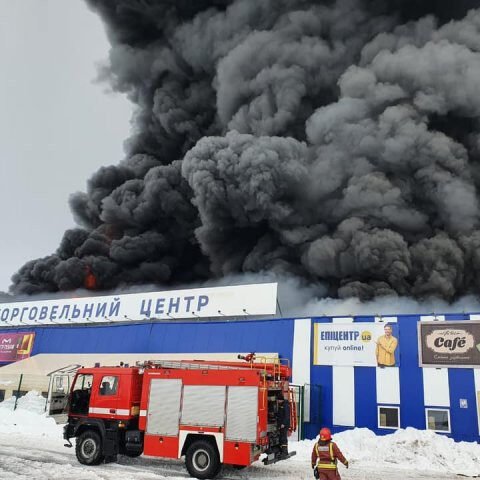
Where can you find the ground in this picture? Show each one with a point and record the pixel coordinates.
(24, 457)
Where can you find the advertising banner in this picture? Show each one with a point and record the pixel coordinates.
(365, 344)
(238, 301)
(15, 346)
(449, 344)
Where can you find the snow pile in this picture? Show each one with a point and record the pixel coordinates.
(29, 417)
(410, 449)
(32, 401)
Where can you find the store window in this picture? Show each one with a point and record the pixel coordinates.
(438, 420)
(2, 395)
(109, 385)
(388, 417)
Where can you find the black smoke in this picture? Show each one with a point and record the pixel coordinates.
(336, 141)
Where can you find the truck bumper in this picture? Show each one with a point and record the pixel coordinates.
(277, 457)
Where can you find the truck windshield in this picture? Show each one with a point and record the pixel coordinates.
(80, 397)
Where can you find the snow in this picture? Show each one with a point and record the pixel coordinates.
(29, 418)
(410, 449)
(31, 446)
(32, 402)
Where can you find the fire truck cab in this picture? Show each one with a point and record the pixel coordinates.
(212, 413)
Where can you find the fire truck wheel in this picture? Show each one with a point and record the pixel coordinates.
(89, 448)
(202, 460)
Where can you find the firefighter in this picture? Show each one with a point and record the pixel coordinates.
(325, 454)
(283, 424)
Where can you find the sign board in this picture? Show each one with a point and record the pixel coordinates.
(15, 346)
(463, 403)
(449, 344)
(362, 344)
(237, 301)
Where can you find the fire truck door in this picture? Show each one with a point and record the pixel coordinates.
(105, 402)
(81, 394)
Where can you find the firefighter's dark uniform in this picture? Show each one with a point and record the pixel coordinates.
(324, 459)
(284, 425)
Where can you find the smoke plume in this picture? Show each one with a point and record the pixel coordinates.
(335, 141)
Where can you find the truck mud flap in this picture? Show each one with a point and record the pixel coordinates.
(272, 458)
(110, 446)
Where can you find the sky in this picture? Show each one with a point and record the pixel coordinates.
(57, 124)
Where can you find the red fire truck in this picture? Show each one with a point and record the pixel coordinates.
(211, 412)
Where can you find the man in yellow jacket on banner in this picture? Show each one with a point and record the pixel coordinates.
(386, 346)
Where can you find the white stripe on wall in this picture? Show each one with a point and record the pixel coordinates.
(435, 387)
(343, 390)
(436, 391)
(476, 376)
(301, 359)
(388, 385)
(388, 379)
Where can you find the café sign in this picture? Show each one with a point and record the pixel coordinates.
(449, 344)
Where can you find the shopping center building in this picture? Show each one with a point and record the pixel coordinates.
(430, 378)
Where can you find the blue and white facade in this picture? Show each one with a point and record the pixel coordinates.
(355, 394)
(340, 397)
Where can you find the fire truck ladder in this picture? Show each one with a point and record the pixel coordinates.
(195, 365)
(267, 366)
(293, 411)
(275, 362)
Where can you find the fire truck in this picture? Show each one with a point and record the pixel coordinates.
(211, 412)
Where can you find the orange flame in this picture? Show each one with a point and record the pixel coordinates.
(90, 279)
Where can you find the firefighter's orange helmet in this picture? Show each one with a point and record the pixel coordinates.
(325, 434)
